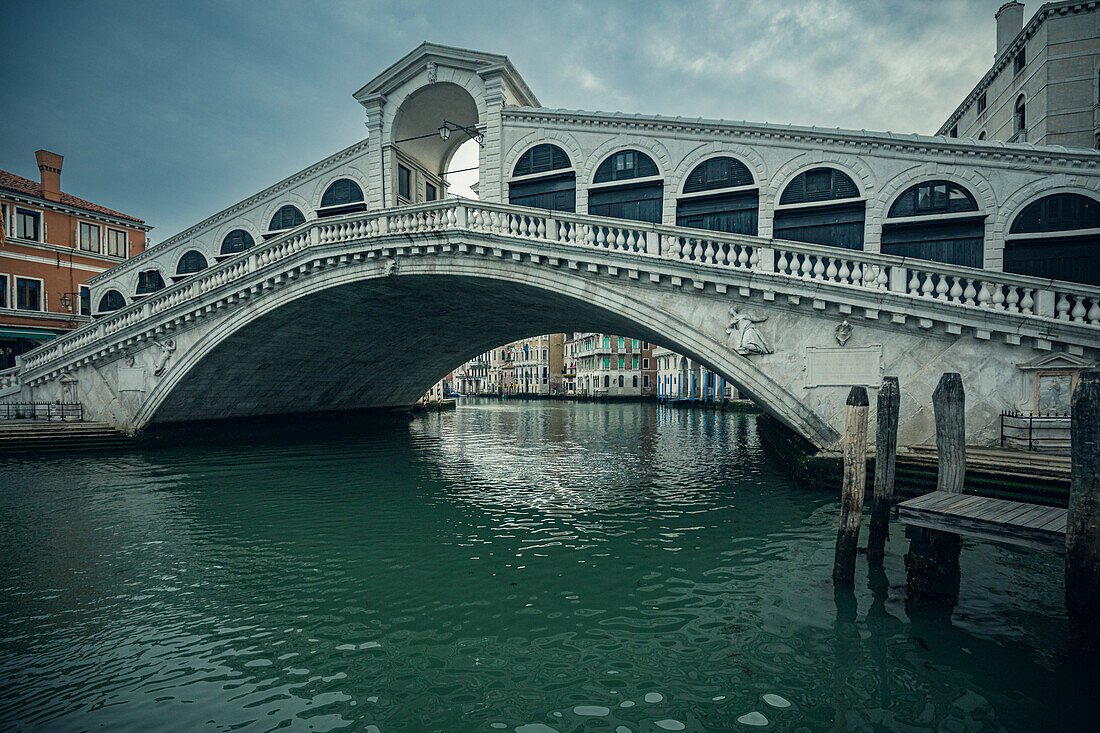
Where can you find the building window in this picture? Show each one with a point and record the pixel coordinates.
(85, 300)
(981, 135)
(1072, 253)
(27, 224)
(28, 294)
(640, 202)
(116, 242)
(112, 300)
(287, 217)
(1018, 62)
(431, 193)
(89, 237)
(981, 103)
(635, 380)
(621, 381)
(607, 342)
(620, 342)
(837, 221)
(3, 291)
(149, 281)
(634, 364)
(645, 363)
(645, 380)
(954, 131)
(622, 361)
(606, 381)
(404, 182)
(1019, 119)
(236, 241)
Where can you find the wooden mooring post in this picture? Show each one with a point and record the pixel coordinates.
(932, 563)
(855, 482)
(886, 450)
(1083, 520)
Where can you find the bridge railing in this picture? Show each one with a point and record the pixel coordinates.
(920, 279)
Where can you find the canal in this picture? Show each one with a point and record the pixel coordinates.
(520, 566)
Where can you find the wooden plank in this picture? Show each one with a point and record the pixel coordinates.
(998, 520)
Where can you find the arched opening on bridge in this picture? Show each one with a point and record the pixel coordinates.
(191, 262)
(627, 185)
(343, 196)
(235, 242)
(1057, 236)
(429, 127)
(287, 217)
(821, 206)
(112, 300)
(544, 178)
(935, 220)
(719, 194)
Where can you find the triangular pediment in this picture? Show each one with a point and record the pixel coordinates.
(447, 56)
(1056, 360)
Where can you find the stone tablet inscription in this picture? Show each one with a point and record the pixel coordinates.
(131, 380)
(854, 366)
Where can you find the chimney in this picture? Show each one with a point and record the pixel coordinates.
(1010, 19)
(49, 168)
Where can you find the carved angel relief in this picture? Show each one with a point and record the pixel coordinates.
(166, 349)
(745, 338)
(391, 266)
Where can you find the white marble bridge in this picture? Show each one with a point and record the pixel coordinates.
(367, 309)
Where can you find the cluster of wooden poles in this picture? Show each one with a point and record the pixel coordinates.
(932, 563)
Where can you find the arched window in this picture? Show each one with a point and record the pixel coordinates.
(722, 210)
(641, 201)
(286, 217)
(981, 135)
(555, 187)
(635, 380)
(341, 197)
(620, 381)
(606, 381)
(149, 281)
(236, 241)
(953, 239)
(191, 262)
(1019, 118)
(1072, 253)
(112, 300)
(836, 220)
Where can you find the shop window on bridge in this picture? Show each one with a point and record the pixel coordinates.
(236, 241)
(191, 262)
(555, 186)
(817, 208)
(287, 217)
(342, 197)
(715, 197)
(149, 281)
(1056, 237)
(955, 236)
(112, 300)
(634, 195)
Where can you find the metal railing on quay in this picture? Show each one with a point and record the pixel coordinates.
(64, 411)
(1035, 431)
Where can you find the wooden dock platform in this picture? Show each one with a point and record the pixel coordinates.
(1000, 520)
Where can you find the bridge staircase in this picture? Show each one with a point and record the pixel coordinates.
(31, 437)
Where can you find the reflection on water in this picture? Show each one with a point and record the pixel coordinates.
(521, 566)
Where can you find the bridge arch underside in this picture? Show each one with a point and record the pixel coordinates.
(384, 340)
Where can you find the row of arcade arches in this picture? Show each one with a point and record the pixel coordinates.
(341, 197)
(1057, 236)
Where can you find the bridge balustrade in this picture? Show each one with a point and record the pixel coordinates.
(922, 280)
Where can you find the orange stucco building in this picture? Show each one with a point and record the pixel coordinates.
(51, 243)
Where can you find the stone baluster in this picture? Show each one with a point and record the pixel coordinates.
(1094, 312)
(1078, 312)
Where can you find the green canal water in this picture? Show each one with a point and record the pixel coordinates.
(519, 566)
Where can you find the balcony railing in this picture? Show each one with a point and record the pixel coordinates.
(922, 280)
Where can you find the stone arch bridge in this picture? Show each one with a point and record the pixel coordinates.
(368, 309)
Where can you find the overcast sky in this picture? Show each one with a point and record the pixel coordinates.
(172, 111)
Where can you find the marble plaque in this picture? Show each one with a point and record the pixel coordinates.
(131, 380)
(852, 366)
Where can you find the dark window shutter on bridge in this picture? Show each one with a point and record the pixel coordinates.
(734, 212)
(715, 173)
(541, 159)
(191, 262)
(625, 165)
(149, 281)
(342, 197)
(1073, 257)
(236, 241)
(286, 217)
(835, 226)
(819, 184)
(557, 193)
(953, 241)
(640, 203)
(112, 300)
